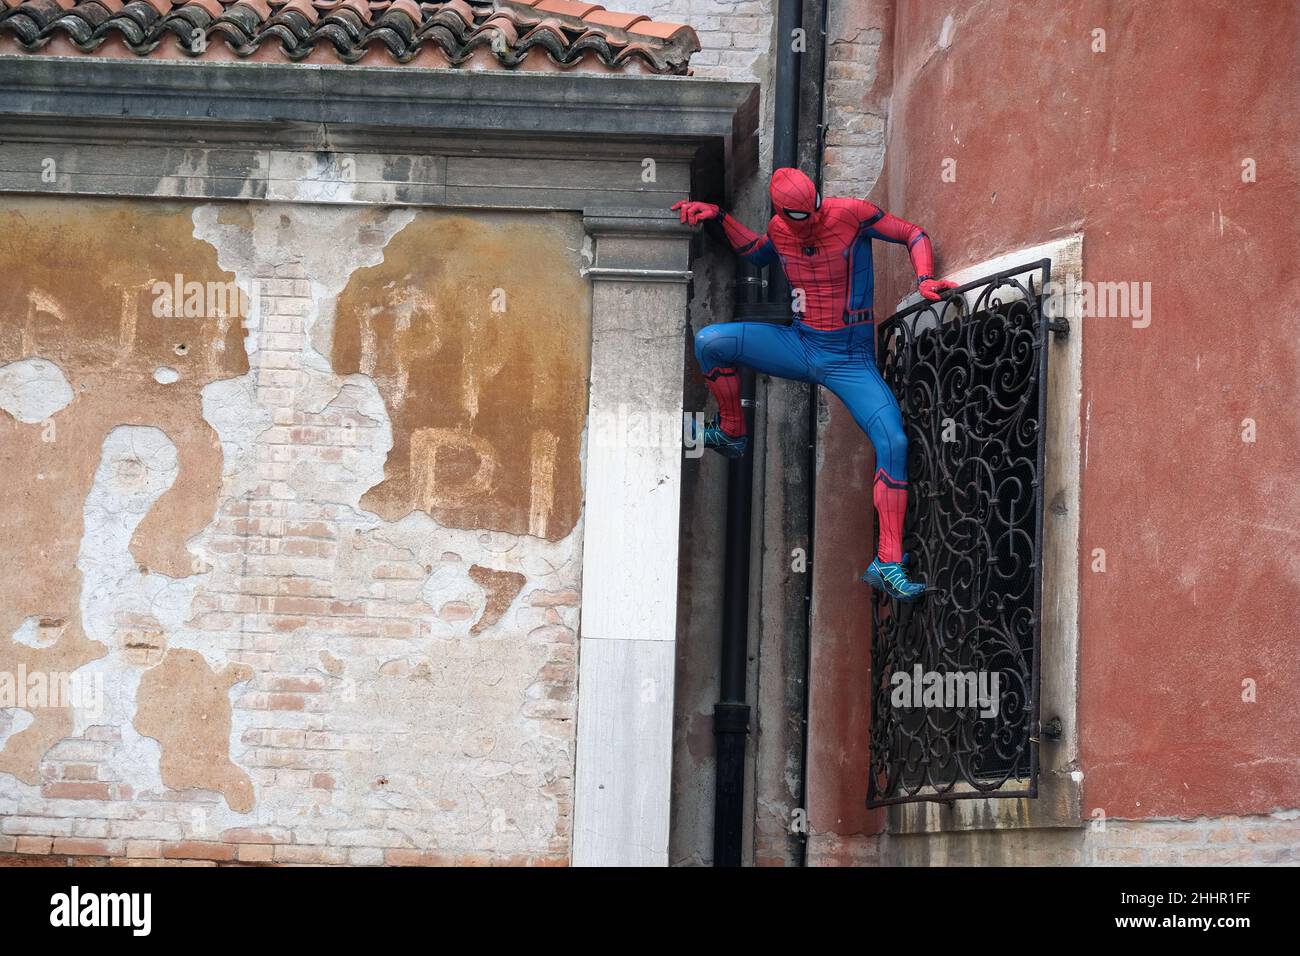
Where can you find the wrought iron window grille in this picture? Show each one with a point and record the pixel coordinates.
(970, 373)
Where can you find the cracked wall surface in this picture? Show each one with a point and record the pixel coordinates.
(323, 562)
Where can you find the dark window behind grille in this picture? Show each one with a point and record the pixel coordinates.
(970, 374)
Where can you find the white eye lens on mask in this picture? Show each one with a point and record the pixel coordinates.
(797, 216)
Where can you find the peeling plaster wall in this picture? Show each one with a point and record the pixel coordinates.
(321, 564)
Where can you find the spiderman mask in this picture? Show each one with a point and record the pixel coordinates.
(796, 201)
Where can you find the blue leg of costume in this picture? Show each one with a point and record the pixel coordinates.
(843, 360)
(772, 349)
(847, 366)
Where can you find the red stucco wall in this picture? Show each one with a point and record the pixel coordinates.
(1140, 148)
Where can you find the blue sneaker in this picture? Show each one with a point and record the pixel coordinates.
(714, 437)
(891, 577)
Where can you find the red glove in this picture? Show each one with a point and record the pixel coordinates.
(694, 213)
(933, 289)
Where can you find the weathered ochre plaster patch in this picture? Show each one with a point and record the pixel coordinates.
(477, 332)
(500, 587)
(71, 649)
(77, 291)
(185, 706)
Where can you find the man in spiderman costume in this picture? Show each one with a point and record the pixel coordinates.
(824, 248)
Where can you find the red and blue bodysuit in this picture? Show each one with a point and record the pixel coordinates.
(824, 249)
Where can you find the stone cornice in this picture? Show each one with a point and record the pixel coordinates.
(387, 108)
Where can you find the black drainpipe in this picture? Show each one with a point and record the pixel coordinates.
(812, 147)
(731, 713)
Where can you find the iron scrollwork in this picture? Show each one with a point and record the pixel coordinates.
(970, 374)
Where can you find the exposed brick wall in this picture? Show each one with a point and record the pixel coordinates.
(735, 35)
(736, 39)
(380, 715)
(856, 104)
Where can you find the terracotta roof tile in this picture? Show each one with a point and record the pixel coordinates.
(474, 34)
(302, 7)
(594, 38)
(619, 21)
(659, 29)
(361, 7)
(570, 8)
(499, 33)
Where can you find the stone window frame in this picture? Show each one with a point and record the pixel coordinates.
(477, 140)
(1060, 778)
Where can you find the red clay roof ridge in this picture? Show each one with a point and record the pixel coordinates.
(571, 34)
(622, 25)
